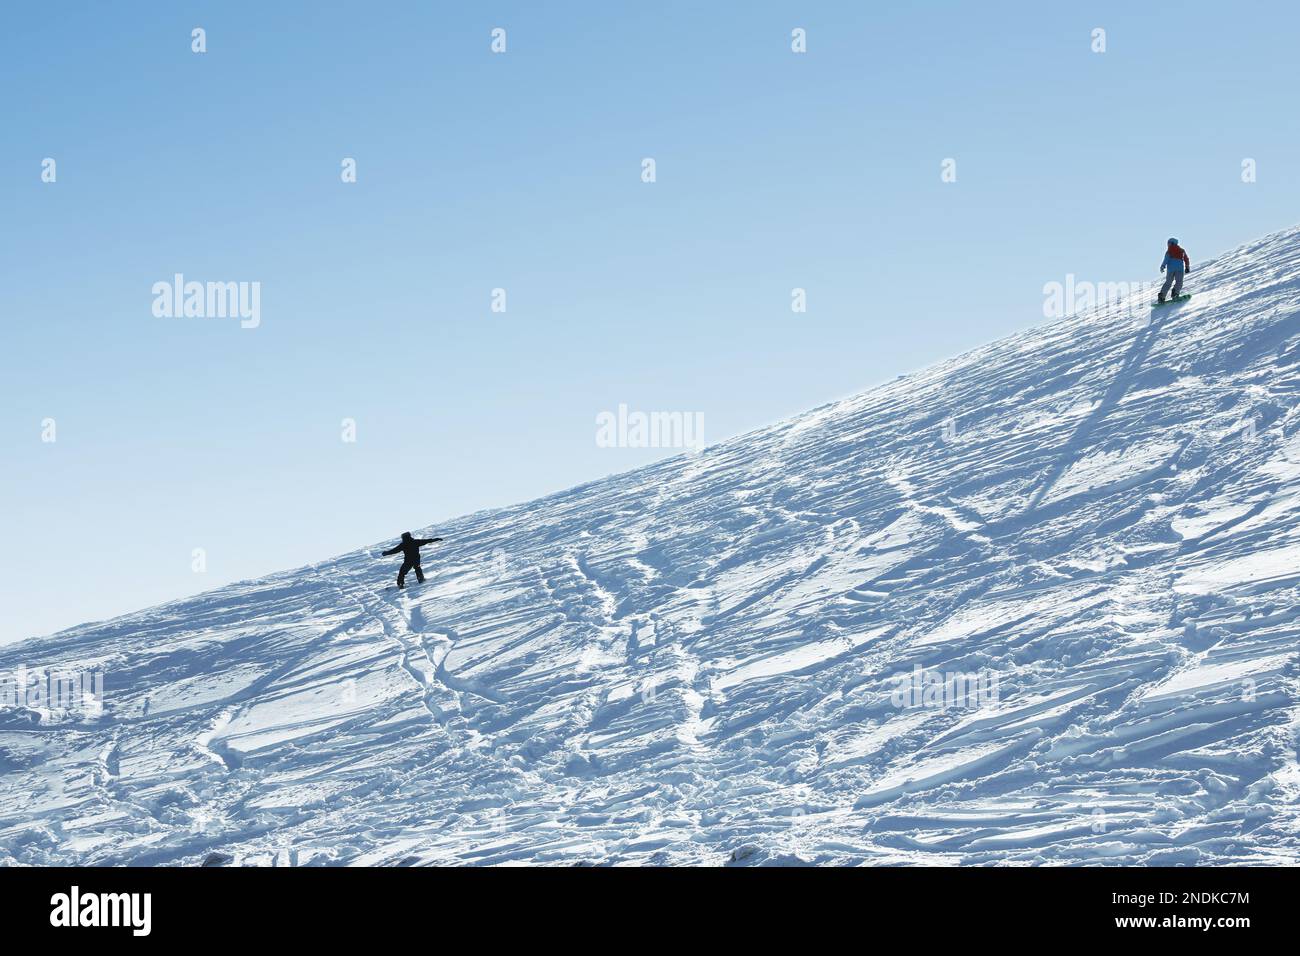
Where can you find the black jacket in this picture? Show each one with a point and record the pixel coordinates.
(410, 547)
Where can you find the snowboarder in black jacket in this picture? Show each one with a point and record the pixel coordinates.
(410, 548)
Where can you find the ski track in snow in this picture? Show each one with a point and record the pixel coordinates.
(694, 662)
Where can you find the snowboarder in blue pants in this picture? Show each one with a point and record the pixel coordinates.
(1175, 266)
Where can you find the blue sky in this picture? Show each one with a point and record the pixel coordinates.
(522, 171)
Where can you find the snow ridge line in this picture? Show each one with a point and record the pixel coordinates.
(207, 742)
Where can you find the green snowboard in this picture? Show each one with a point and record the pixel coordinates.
(1182, 298)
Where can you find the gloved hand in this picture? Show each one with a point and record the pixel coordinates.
(1162, 267)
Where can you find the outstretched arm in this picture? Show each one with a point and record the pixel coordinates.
(393, 550)
(423, 541)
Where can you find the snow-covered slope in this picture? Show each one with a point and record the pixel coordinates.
(700, 661)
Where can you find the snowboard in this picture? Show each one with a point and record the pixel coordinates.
(1182, 298)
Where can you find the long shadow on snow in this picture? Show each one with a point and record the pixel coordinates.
(1133, 360)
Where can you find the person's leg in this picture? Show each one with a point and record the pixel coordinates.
(401, 575)
(419, 574)
(1164, 289)
(1178, 284)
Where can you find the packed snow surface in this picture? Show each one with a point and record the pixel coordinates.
(1082, 542)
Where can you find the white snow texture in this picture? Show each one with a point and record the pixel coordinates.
(700, 662)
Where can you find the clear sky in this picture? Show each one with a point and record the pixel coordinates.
(523, 171)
